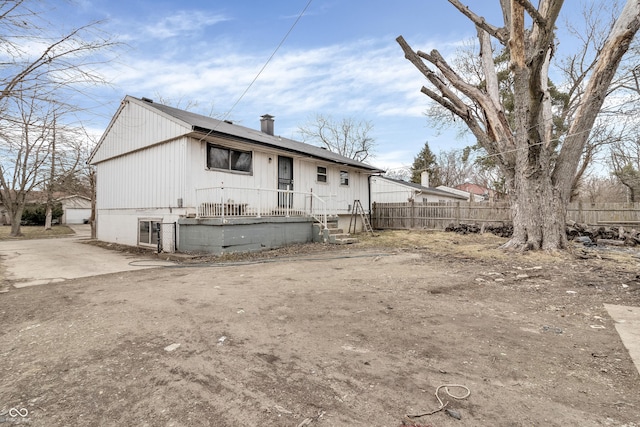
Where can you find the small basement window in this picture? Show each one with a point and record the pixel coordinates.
(322, 174)
(228, 159)
(148, 232)
(344, 178)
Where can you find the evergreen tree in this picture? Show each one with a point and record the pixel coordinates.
(425, 161)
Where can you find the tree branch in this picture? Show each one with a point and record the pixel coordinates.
(494, 134)
(51, 56)
(499, 33)
(533, 12)
(496, 122)
(617, 44)
(489, 66)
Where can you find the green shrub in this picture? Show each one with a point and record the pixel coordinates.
(36, 213)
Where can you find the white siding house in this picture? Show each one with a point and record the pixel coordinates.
(388, 190)
(159, 166)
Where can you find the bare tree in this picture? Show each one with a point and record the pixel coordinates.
(25, 150)
(36, 153)
(348, 137)
(455, 167)
(39, 57)
(52, 175)
(460, 166)
(601, 189)
(625, 165)
(41, 71)
(590, 33)
(402, 173)
(539, 172)
(69, 152)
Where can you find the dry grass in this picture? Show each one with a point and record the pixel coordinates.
(35, 232)
(487, 247)
(471, 245)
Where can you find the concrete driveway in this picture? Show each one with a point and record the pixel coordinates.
(43, 261)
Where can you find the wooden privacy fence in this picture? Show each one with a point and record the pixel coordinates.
(440, 215)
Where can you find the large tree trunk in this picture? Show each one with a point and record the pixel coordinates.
(48, 217)
(538, 210)
(539, 180)
(538, 215)
(92, 219)
(16, 217)
(52, 174)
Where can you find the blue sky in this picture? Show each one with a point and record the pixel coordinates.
(341, 59)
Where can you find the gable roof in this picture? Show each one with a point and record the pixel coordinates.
(38, 196)
(204, 126)
(423, 189)
(473, 188)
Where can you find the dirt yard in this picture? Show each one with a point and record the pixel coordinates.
(329, 336)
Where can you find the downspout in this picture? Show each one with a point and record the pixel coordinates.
(369, 190)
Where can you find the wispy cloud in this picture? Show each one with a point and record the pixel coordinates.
(182, 23)
(367, 79)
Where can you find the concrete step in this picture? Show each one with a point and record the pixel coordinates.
(334, 235)
(345, 241)
(342, 239)
(335, 230)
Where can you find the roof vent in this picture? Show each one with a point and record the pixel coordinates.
(149, 100)
(266, 124)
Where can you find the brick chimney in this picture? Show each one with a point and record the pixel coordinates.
(266, 124)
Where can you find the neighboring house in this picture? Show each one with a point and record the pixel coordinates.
(487, 194)
(477, 190)
(76, 209)
(213, 186)
(389, 190)
(467, 196)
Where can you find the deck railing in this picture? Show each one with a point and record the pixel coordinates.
(223, 201)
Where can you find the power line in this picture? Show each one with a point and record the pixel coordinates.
(226, 115)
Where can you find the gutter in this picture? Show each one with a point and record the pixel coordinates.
(199, 130)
